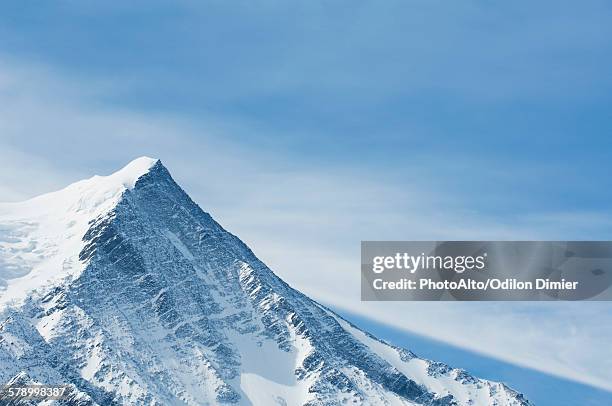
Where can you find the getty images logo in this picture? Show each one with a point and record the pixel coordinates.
(412, 263)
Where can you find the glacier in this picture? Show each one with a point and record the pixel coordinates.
(123, 288)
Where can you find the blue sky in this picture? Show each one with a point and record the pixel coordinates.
(474, 96)
(306, 127)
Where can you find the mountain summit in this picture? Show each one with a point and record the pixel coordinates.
(124, 289)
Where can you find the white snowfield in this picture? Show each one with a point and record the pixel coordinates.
(123, 288)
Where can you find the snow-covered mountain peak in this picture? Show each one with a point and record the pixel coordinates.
(122, 287)
(40, 238)
(125, 177)
(90, 192)
(130, 173)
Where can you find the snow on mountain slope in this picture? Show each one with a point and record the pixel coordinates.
(40, 238)
(122, 287)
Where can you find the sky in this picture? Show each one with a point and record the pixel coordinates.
(306, 127)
